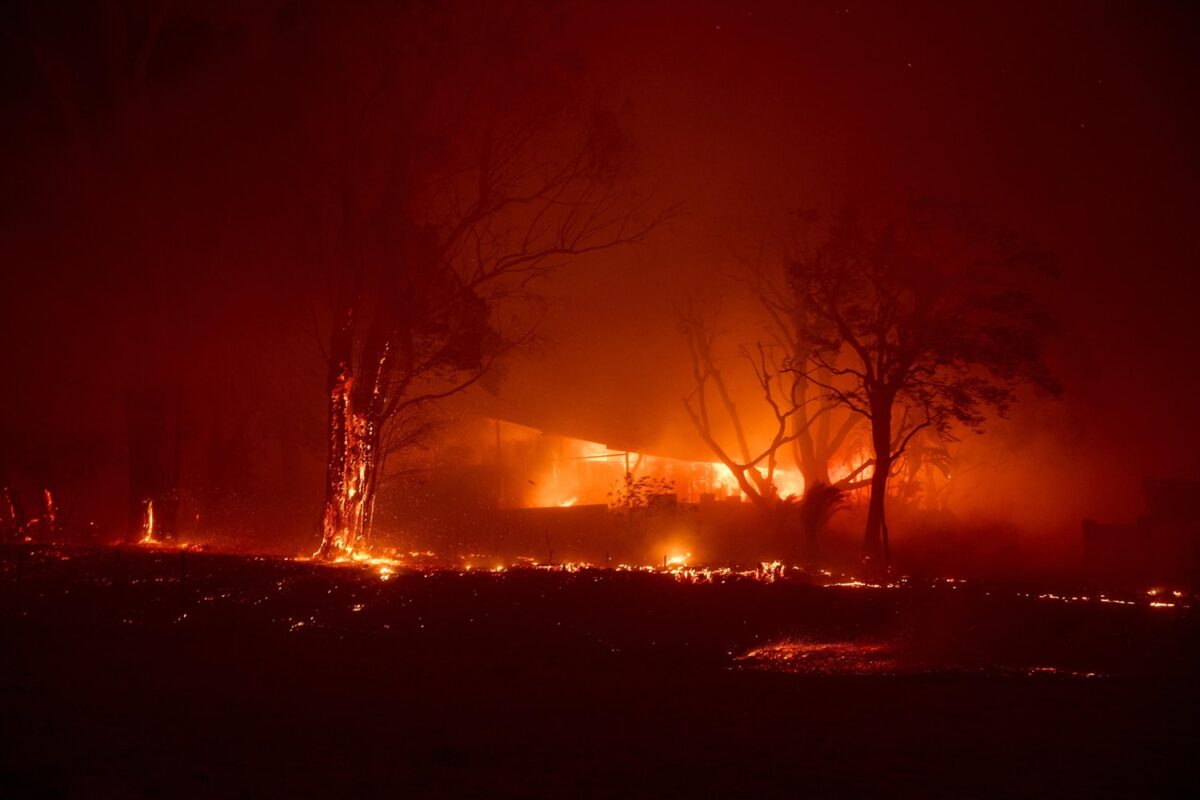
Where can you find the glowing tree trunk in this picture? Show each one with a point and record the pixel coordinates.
(12, 520)
(356, 420)
(350, 474)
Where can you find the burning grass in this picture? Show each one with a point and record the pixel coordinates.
(769, 616)
(571, 657)
(823, 658)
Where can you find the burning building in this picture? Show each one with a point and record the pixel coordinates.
(554, 497)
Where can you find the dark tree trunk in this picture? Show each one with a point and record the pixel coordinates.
(810, 457)
(813, 466)
(875, 544)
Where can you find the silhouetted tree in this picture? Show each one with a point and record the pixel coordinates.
(470, 173)
(794, 410)
(818, 431)
(927, 321)
(753, 469)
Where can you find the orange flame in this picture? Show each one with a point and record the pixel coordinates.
(148, 525)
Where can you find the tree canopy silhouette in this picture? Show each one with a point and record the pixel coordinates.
(928, 323)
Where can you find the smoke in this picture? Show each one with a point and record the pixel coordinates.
(186, 263)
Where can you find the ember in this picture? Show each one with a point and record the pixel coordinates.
(822, 658)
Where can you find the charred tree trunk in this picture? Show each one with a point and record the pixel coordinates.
(350, 475)
(49, 519)
(875, 544)
(12, 519)
(334, 529)
(351, 469)
(809, 456)
(813, 466)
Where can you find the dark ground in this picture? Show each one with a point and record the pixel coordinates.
(128, 673)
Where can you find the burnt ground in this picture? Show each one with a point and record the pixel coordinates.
(128, 673)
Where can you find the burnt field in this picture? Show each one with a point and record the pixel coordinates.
(129, 672)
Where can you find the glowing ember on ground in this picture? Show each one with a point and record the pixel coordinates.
(875, 658)
(856, 583)
(1149, 596)
(822, 658)
(1063, 673)
(384, 566)
(677, 566)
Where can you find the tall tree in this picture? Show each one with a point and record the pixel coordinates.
(818, 432)
(463, 174)
(929, 321)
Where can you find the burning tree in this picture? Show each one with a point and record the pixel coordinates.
(440, 222)
(927, 322)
